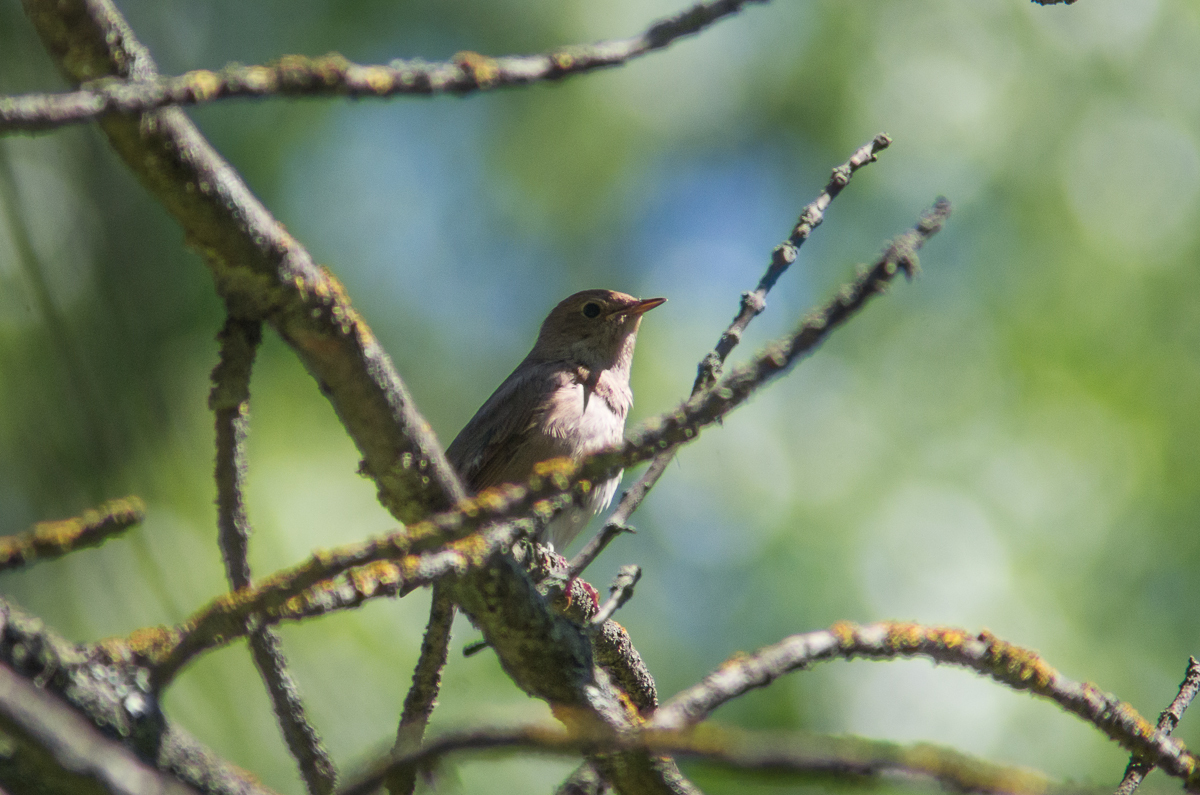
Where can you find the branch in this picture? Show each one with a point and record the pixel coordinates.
(984, 653)
(426, 683)
(806, 756)
(554, 485)
(620, 592)
(230, 404)
(262, 272)
(279, 598)
(54, 749)
(297, 75)
(48, 540)
(551, 488)
(753, 303)
(115, 697)
(1138, 768)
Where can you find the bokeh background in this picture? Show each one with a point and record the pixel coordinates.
(1010, 442)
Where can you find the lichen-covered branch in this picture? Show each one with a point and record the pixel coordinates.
(48, 540)
(116, 697)
(807, 757)
(553, 485)
(276, 598)
(1138, 768)
(753, 303)
(229, 401)
(263, 273)
(426, 684)
(1004, 662)
(297, 75)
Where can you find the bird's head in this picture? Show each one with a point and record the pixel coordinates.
(596, 328)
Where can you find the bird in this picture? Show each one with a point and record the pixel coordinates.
(569, 397)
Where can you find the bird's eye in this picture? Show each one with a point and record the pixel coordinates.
(591, 309)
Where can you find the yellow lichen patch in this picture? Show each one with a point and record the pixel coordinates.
(905, 637)
(202, 84)
(378, 79)
(259, 78)
(330, 68)
(485, 71)
(115, 650)
(562, 60)
(1141, 728)
(1020, 664)
(844, 631)
(734, 661)
(558, 471)
(631, 710)
(473, 547)
(497, 498)
(150, 642)
(949, 638)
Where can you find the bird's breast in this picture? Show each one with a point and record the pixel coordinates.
(587, 416)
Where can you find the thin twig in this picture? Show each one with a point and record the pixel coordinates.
(798, 755)
(753, 303)
(332, 74)
(48, 540)
(1020, 669)
(1138, 768)
(554, 483)
(620, 592)
(426, 683)
(230, 404)
(596, 545)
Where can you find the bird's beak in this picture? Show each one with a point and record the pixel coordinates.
(641, 307)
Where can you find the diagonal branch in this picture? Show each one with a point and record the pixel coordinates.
(1138, 768)
(48, 540)
(1020, 669)
(753, 303)
(297, 75)
(555, 483)
(230, 404)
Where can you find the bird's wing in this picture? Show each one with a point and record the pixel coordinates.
(502, 443)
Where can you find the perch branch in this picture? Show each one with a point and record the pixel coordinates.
(753, 303)
(984, 653)
(48, 540)
(229, 401)
(554, 484)
(297, 75)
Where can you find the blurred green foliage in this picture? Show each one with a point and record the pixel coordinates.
(1010, 442)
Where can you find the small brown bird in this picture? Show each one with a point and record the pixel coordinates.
(569, 397)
